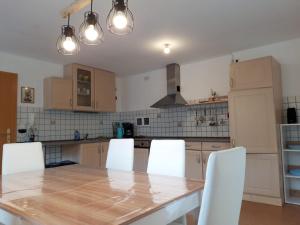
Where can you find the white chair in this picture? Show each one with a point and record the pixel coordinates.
(223, 190)
(22, 157)
(167, 157)
(120, 154)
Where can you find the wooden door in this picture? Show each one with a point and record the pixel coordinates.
(140, 159)
(90, 155)
(252, 120)
(205, 156)
(58, 93)
(105, 91)
(193, 165)
(262, 175)
(8, 109)
(104, 151)
(256, 73)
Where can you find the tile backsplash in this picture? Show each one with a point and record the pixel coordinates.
(193, 121)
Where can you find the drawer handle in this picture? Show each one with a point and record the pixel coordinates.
(216, 146)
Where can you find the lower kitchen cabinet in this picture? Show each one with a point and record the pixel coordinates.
(140, 159)
(193, 164)
(103, 154)
(205, 156)
(262, 175)
(90, 155)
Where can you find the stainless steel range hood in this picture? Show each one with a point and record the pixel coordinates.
(173, 97)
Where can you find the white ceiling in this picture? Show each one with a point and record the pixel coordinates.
(196, 29)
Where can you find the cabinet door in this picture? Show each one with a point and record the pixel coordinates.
(256, 73)
(83, 88)
(90, 155)
(105, 91)
(262, 175)
(104, 151)
(252, 120)
(58, 93)
(193, 165)
(140, 159)
(205, 156)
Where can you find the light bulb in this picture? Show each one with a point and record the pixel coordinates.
(69, 44)
(91, 33)
(167, 49)
(120, 20)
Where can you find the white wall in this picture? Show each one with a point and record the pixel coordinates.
(197, 78)
(31, 73)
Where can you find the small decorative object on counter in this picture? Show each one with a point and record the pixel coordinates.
(76, 135)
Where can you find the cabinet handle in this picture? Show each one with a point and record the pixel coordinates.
(231, 82)
(216, 146)
(198, 160)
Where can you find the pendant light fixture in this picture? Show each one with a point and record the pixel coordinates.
(67, 43)
(120, 19)
(90, 31)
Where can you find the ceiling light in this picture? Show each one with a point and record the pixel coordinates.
(120, 19)
(67, 43)
(167, 49)
(90, 31)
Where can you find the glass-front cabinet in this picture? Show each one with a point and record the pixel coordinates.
(83, 86)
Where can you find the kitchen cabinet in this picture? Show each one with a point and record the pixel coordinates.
(193, 164)
(93, 89)
(103, 154)
(262, 175)
(90, 155)
(255, 108)
(105, 91)
(140, 159)
(253, 120)
(83, 86)
(256, 73)
(58, 93)
(205, 156)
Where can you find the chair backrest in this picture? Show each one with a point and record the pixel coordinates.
(167, 157)
(22, 157)
(120, 154)
(223, 190)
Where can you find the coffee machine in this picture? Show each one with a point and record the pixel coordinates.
(128, 130)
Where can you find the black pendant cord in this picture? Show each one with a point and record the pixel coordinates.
(91, 5)
(68, 19)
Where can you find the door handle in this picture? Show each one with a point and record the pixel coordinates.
(8, 135)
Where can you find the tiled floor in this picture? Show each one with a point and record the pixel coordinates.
(261, 214)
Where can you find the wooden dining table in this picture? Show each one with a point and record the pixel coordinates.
(77, 195)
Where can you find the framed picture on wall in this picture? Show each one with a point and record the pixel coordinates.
(27, 95)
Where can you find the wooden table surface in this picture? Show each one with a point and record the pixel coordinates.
(76, 195)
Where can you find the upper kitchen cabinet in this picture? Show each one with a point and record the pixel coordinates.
(94, 89)
(58, 93)
(256, 73)
(83, 86)
(105, 91)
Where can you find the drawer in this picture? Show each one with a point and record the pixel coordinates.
(193, 146)
(215, 146)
